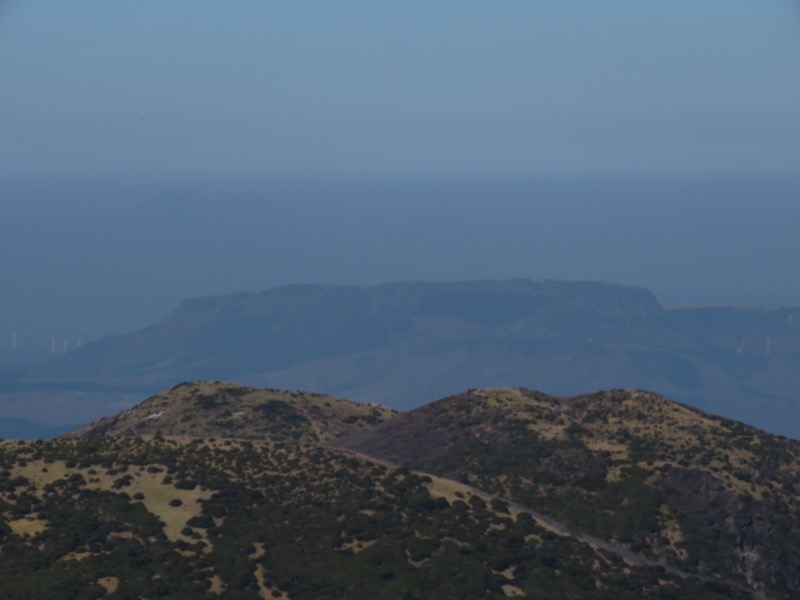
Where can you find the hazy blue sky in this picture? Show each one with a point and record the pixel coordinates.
(154, 150)
(189, 87)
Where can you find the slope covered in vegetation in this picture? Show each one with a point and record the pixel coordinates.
(135, 517)
(211, 488)
(704, 494)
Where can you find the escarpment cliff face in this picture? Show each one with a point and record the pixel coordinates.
(401, 344)
(254, 333)
(694, 491)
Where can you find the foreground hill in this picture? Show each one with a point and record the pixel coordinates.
(697, 492)
(401, 344)
(207, 409)
(653, 482)
(185, 519)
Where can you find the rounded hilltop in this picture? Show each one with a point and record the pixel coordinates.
(202, 409)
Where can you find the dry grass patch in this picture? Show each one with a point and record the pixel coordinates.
(40, 473)
(509, 572)
(548, 430)
(259, 550)
(614, 474)
(603, 445)
(263, 590)
(448, 489)
(357, 546)
(110, 584)
(29, 526)
(217, 586)
(512, 591)
(77, 556)
(158, 498)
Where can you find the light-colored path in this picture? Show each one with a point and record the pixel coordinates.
(552, 525)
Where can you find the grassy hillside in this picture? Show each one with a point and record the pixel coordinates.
(205, 409)
(149, 517)
(701, 493)
(212, 489)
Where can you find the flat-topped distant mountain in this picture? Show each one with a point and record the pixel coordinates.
(401, 344)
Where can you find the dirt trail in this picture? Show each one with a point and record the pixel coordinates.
(552, 525)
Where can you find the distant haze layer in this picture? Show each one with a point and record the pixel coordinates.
(188, 87)
(82, 260)
(152, 151)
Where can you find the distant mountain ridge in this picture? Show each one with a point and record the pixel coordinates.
(305, 322)
(401, 344)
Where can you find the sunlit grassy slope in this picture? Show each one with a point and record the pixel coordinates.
(213, 488)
